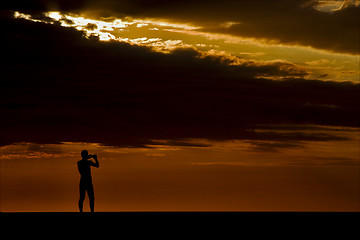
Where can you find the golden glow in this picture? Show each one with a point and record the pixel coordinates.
(103, 28)
(165, 36)
(54, 15)
(254, 173)
(233, 175)
(25, 16)
(335, 5)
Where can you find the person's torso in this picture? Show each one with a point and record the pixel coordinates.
(84, 169)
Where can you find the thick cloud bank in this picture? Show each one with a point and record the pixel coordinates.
(59, 86)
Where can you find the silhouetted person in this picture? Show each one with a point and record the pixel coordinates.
(85, 179)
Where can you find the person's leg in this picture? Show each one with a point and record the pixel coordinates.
(82, 196)
(90, 192)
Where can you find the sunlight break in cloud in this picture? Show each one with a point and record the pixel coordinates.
(104, 29)
(335, 5)
(166, 37)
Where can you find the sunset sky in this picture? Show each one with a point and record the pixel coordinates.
(189, 105)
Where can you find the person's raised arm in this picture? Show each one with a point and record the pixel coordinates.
(96, 163)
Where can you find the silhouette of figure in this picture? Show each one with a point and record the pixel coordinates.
(85, 179)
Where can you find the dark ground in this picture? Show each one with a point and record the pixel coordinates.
(185, 225)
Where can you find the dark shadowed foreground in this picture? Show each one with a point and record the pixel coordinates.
(185, 224)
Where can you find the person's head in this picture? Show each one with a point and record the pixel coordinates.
(85, 154)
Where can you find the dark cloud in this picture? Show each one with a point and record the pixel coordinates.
(336, 31)
(181, 143)
(272, 146)
(91, 26)
(45, 5)
(58, 86)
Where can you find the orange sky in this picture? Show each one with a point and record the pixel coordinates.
(189, 105)
(218, 176)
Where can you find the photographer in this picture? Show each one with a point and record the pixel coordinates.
(85, 180)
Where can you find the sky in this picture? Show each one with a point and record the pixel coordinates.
(190, 105)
